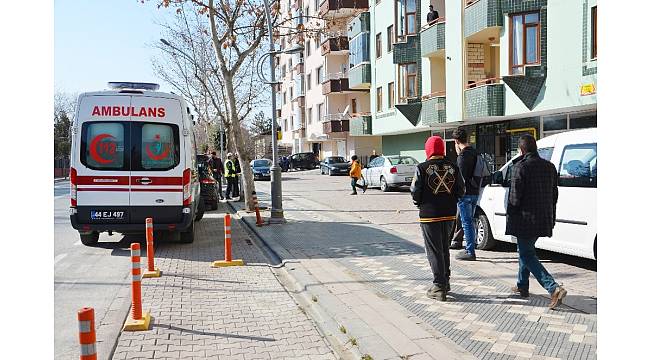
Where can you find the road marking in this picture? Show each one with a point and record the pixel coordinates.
(59, 258)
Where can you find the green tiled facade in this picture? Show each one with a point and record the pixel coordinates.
(408, 51)
(433, 111)
(360, 76)
(432, 39)
(483, 14)
(361, 125)
(482, 101)
(359, 24)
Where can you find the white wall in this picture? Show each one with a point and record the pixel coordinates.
(454, 48)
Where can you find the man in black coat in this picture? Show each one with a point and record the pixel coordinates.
(531, 215)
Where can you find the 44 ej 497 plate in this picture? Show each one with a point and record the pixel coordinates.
(106, 215)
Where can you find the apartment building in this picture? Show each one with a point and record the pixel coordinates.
(499, 68)
(317, 99)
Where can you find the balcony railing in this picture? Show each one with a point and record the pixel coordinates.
(360, 76)
(432, 37)
(480, 15)
(434, 108)
(341, 8)
(335, 82)
(335, 44)
(485, 98)
(361, 124)
(334, 123)
(406, 49)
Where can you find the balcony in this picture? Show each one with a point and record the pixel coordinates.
(482, 15)
(485, 98)
(360, 76)
(432, 39)
(335, 123)
(338, 45)
(359, 24)
(331, 9)
(361, 125)
(434, 108)
(406, 49)
(335, 83)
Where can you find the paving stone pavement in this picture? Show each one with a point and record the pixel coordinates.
(201, 312)
(481, 316)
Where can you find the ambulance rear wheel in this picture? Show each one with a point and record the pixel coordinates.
(90, 238)
(187, 236)
(200, 210)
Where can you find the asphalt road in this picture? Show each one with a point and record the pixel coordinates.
(87, 276)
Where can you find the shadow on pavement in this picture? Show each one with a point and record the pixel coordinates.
(199, 332)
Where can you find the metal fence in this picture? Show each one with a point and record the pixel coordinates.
(61, 167)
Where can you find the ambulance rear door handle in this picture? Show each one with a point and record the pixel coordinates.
(144, 181)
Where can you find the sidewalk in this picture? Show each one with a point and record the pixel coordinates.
(201, 312)
(375, 282)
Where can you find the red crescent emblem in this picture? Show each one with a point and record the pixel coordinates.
(155, 157)
(93, 148)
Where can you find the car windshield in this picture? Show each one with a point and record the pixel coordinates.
(261, 163)
(337, 159)
(402, 160)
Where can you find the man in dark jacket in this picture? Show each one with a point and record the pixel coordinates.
(531, 214)
(435, 189)
(237, 176)
(467, 156)
(217, 171)
(432, 15)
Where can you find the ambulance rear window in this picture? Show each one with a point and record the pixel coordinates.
(103, 145)
(157, 147)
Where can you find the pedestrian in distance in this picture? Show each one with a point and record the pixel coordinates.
(229, 174)
(432, 15)
(466, 161)
(216, 165)
(237, 175)
(531, 214)
(373, 156)
(436, 187)
(355, 175)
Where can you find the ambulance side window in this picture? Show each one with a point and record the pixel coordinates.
(103, 145)
(158, 147)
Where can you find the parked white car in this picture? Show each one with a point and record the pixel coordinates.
(574, 153)
(388, 172)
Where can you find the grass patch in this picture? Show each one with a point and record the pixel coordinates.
(343, 329)
(366, 357)
(314, 298)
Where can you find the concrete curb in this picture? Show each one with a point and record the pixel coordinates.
(296, 280)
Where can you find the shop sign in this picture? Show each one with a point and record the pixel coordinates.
(587, 89)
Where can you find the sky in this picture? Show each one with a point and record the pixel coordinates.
(100, 41)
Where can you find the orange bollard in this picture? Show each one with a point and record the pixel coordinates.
(151, 270)
(259, 221)
(137, 321)
(87, 337)
(228, 261)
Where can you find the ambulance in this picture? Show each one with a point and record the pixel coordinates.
(133, 157)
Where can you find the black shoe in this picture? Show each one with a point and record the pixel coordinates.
(448, 287)
(228, 198)
(354, 193)
(437, 293)
(463, 255)
(522, 292)
(365, 187)
(456, 245)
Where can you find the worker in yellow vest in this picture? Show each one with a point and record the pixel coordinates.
(229, 174)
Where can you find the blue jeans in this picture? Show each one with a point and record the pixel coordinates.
(529, 263)
(467, 207)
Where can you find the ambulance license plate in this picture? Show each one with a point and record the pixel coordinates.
(106, 215)
(408, 179)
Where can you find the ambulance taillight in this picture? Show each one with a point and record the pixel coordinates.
(187, 194)
(73, 187)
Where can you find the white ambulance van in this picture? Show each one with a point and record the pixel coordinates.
(133, 157)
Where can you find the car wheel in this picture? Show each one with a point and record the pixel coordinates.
(89, 239)
(329, 172)
(383, 185)
(200, 210)
(215, 204)
(322, 172)
(484, 238)
(187, 236)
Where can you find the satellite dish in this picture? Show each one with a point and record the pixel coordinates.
(346, 112)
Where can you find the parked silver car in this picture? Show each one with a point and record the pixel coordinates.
(387, 172)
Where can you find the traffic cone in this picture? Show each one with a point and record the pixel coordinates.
(87, 337)
(228, 261)
(151, 270)
(137, 321)
(259, 221)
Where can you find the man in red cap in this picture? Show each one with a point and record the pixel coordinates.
(436, 188)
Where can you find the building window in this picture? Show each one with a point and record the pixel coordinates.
(308, 47)
(360, 49)
(291, 93)
(308, 81)
(391, 95)
(379, 99)
(291, 63)
(525, 41)
(389, 31)
(409, 16)
(307, 12)
(378, 45)
(292, 124)
(320, 112)
(578, 166)
(319, 74)
(286, 125)
(284, 97)
(593, 32)
(354, 105)
(284, 70)
(309, 116)
(408, 81)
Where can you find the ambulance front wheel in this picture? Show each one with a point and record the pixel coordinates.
(89, 239)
